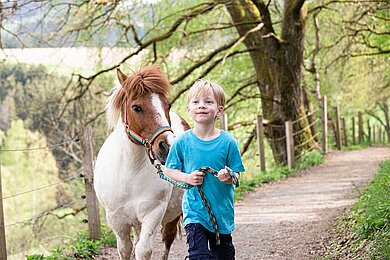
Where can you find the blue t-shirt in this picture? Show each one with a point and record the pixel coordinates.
(189, 153)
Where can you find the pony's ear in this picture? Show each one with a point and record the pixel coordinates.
(121, 76)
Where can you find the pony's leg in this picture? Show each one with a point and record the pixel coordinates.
(123, 239)
(169, 232)
(124, 244)
(137, 231)
(149, 225)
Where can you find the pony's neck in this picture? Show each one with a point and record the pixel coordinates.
(134, 154)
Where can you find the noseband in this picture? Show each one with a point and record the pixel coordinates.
(147, 142)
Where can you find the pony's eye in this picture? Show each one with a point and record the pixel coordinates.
(136, 108)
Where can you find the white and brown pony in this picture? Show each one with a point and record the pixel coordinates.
(125, 179)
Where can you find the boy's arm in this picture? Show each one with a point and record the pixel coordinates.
(195, 178)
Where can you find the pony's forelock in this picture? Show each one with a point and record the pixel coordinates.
(147, 80)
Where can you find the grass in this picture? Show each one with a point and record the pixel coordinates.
(277, 173)
(79, 248)
(356, 146)
(364, 232)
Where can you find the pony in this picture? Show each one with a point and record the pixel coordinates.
(125, 178)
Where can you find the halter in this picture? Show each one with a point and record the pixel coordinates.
(146, 142)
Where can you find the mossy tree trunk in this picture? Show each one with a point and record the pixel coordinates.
(278, 63)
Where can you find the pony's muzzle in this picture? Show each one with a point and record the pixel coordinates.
(163, 150)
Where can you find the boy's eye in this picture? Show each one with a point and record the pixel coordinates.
(195, 102)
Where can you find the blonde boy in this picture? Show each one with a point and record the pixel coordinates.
(206, 146)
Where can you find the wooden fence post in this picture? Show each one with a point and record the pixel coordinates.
(353, 131)
(344, 132)
(223, 120)
(3, 245)
(380, 135)
(324, 125)
(260, 141)
(374, 134)
(369, 131)
(289, 144)
(360, 126)
(92, 202)
(338, 130)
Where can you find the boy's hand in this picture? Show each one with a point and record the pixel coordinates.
(195, 178)
(224, 176)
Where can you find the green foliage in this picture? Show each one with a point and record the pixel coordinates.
(309, 159)
(366, 229)
(356, 147)
(79, 248)
(372, 212)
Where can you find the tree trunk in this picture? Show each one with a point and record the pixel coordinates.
(385, 108)
(278, 64)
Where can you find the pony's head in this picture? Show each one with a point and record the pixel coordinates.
(144, 108)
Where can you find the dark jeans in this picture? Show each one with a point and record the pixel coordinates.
(202, 244)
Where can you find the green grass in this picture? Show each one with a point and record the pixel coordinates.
(277, 173)
(364, 232)
(356, 146)
(79, 248)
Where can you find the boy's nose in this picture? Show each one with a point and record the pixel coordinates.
(201, 105)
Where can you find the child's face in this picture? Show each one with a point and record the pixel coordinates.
(204, 109)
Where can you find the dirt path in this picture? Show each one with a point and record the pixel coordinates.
(292, 219)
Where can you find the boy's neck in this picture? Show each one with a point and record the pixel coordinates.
(206, 133)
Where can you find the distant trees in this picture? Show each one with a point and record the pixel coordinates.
(40, 99)
(255, 49)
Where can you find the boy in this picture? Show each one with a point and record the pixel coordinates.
(206, 146)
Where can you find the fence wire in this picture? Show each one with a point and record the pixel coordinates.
(27, 149)
(306, 127)
(77, 175)
(46, 212)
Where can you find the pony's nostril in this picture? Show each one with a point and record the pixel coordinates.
(163, 146)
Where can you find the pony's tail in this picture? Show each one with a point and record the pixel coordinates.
(114, 106)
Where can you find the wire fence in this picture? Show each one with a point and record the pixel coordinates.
(289, 146)
(37, 202)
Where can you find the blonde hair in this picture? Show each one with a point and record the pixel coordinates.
(202, 88)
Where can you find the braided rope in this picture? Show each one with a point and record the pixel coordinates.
(203, 169)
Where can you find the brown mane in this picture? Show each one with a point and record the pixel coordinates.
(147, 80)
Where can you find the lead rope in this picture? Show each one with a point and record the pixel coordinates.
(201, 193)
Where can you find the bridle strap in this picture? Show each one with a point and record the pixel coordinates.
(147, 142)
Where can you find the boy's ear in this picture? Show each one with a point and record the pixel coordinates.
(220, 109)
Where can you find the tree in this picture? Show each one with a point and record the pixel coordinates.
(259, 44)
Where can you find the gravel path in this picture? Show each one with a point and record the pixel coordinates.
(292, 219)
